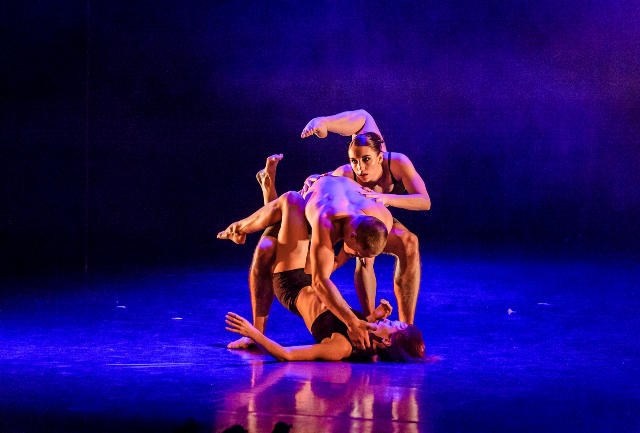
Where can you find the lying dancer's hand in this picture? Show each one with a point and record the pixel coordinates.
(233, 233)
(382, 311)
(240, 325)
(315, 126)
(359, 334)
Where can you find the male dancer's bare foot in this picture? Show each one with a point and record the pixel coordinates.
(233, 234)
(267, 176)
(241, 343)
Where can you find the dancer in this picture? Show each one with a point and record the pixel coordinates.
(392, 180)
(395, 340)
(336, 210)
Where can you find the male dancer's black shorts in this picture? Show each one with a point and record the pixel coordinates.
(287, 286)
(272, 230)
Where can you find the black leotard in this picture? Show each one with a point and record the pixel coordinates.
(398, 186)
(287, 286)
(328, 323)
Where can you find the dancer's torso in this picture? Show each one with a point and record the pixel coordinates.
(337, 198)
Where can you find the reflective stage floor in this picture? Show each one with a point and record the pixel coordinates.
(526, 345)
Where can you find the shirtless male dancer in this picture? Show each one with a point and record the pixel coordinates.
(337, 211)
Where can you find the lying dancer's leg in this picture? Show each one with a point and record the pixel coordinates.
(260, 282)
(267, 178)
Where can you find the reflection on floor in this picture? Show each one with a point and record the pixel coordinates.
(526, 345)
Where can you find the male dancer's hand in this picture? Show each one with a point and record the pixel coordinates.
(359, 334)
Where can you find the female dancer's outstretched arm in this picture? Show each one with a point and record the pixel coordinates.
(335, 348)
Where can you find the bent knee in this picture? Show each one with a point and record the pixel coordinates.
(411, 244)
(265, 252)
(292, 198)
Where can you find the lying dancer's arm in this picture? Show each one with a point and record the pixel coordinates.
(335, 348)
(417, 197)
(345, 123)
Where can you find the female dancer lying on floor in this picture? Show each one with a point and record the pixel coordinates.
(392, 340)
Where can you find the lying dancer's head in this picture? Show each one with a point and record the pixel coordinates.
(367, 236)
(397, 341)
(365, 156)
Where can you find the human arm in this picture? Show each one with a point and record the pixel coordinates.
(341, 259)
(333, 349)
(322, 264)
(417, 197)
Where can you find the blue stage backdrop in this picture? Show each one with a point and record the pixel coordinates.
(131, 134)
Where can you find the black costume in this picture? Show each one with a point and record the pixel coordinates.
(287, 286)
(398, 186)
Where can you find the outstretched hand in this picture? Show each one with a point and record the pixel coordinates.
(359, 334)
(233, 234)
(315, 126)
(240, 325)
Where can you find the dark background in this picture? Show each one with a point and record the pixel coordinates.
(131, 133)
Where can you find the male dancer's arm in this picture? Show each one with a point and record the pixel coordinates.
(322, 263)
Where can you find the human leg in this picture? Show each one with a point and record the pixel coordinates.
(260, 281)
(293, 237)
(267, 215)
(267, 178)
(260, 285)
(406, 282)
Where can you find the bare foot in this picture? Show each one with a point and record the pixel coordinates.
(267, 176)
(315, 126)
(233, 234)
(241, 343)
